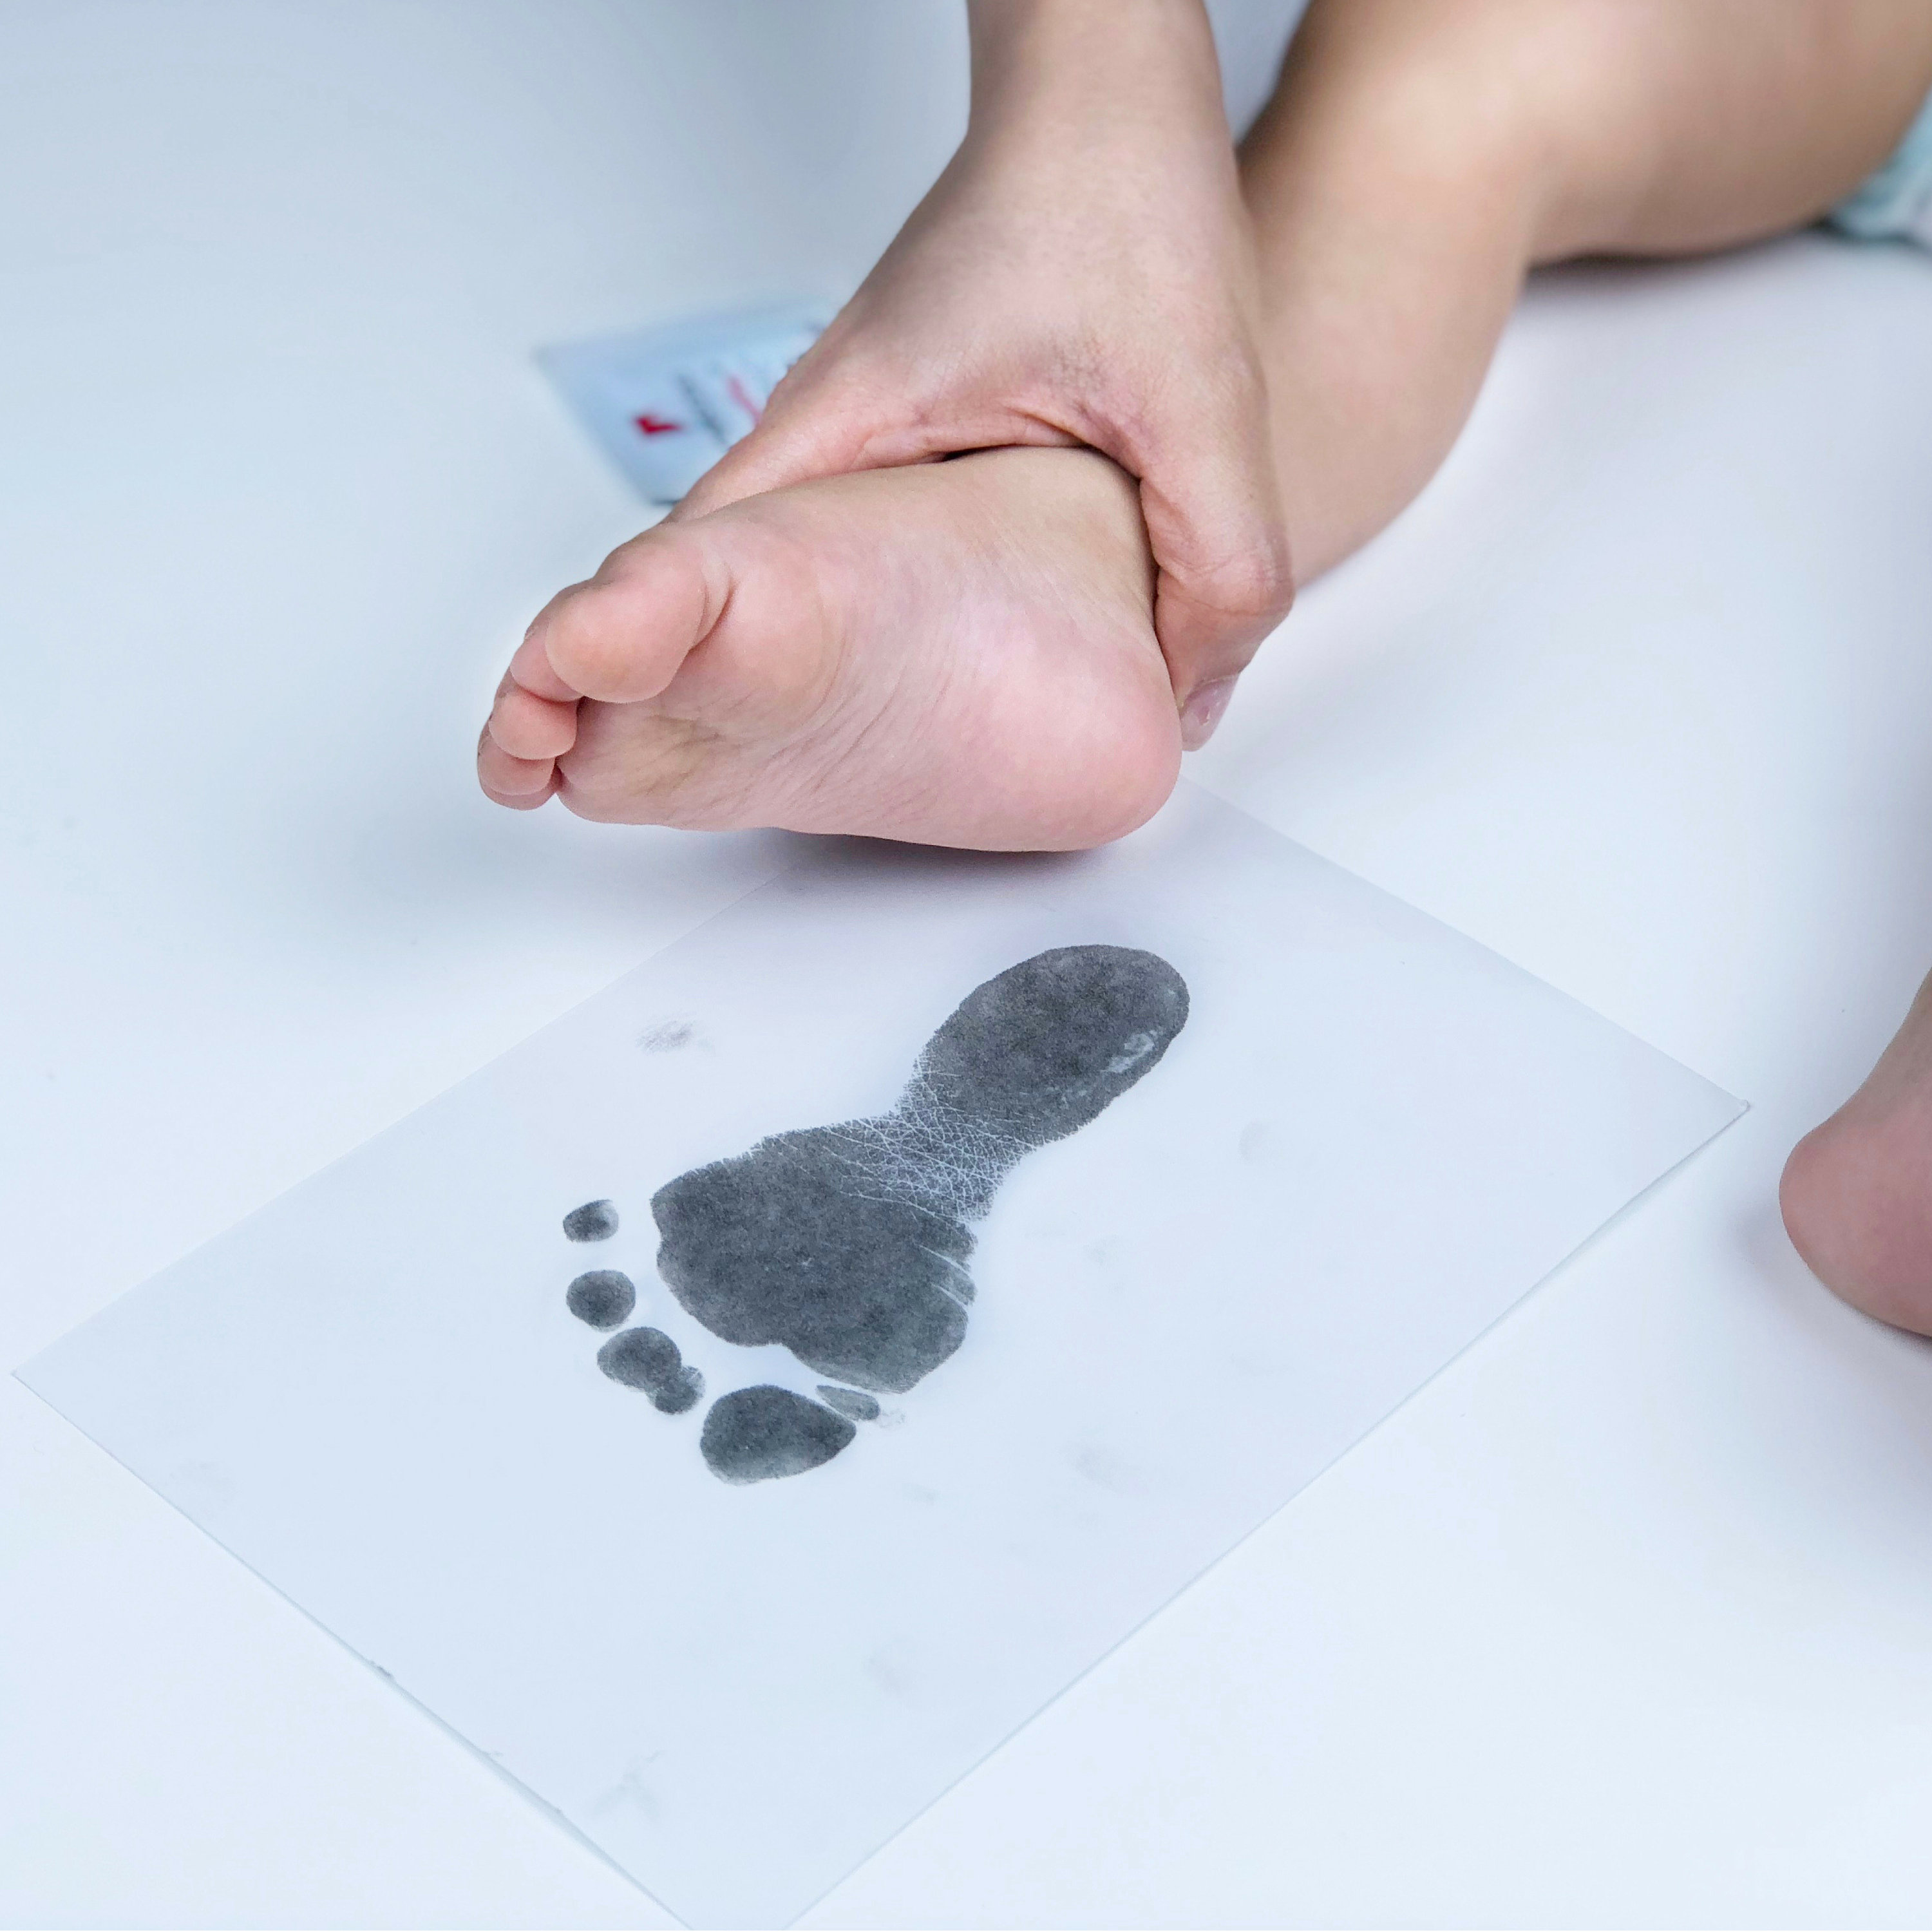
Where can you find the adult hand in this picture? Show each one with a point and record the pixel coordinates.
(1080, 273)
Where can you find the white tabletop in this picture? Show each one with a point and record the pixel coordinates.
(1625, 1618)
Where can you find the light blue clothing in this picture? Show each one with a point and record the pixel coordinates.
(1895, 204)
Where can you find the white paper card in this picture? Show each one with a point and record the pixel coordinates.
(665, 403)
(1370, 1139)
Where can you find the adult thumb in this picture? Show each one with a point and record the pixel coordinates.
(1225, 578)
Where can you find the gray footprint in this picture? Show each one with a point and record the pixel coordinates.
(848, 1244)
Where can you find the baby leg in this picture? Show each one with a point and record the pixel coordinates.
(1418, 157)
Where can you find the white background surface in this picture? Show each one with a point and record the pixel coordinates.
(1624, 1620)
(371, 1392)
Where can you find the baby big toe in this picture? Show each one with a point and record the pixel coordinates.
(621, 637)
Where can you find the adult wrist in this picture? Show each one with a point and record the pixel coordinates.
(1067, 62)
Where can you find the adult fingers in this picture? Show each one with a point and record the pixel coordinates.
(862, 414)
(816, 422)
(811, 440)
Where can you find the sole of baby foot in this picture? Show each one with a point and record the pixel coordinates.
(1857, 1192)
(959, 653)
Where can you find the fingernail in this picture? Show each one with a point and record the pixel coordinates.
(1203, 711)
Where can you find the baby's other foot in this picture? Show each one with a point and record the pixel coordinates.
(1857, 1192)
(957, 653)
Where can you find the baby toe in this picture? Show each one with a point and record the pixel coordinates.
(528, 726)
(522, 784)
(531, 669)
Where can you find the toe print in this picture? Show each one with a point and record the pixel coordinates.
(603, 1298)
(595, 1221)
(848, 1244)
(754, 1433)
(648, 1359)
(854, 1402)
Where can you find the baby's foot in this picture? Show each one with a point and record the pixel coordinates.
(957, 653)
(1857, 1192)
